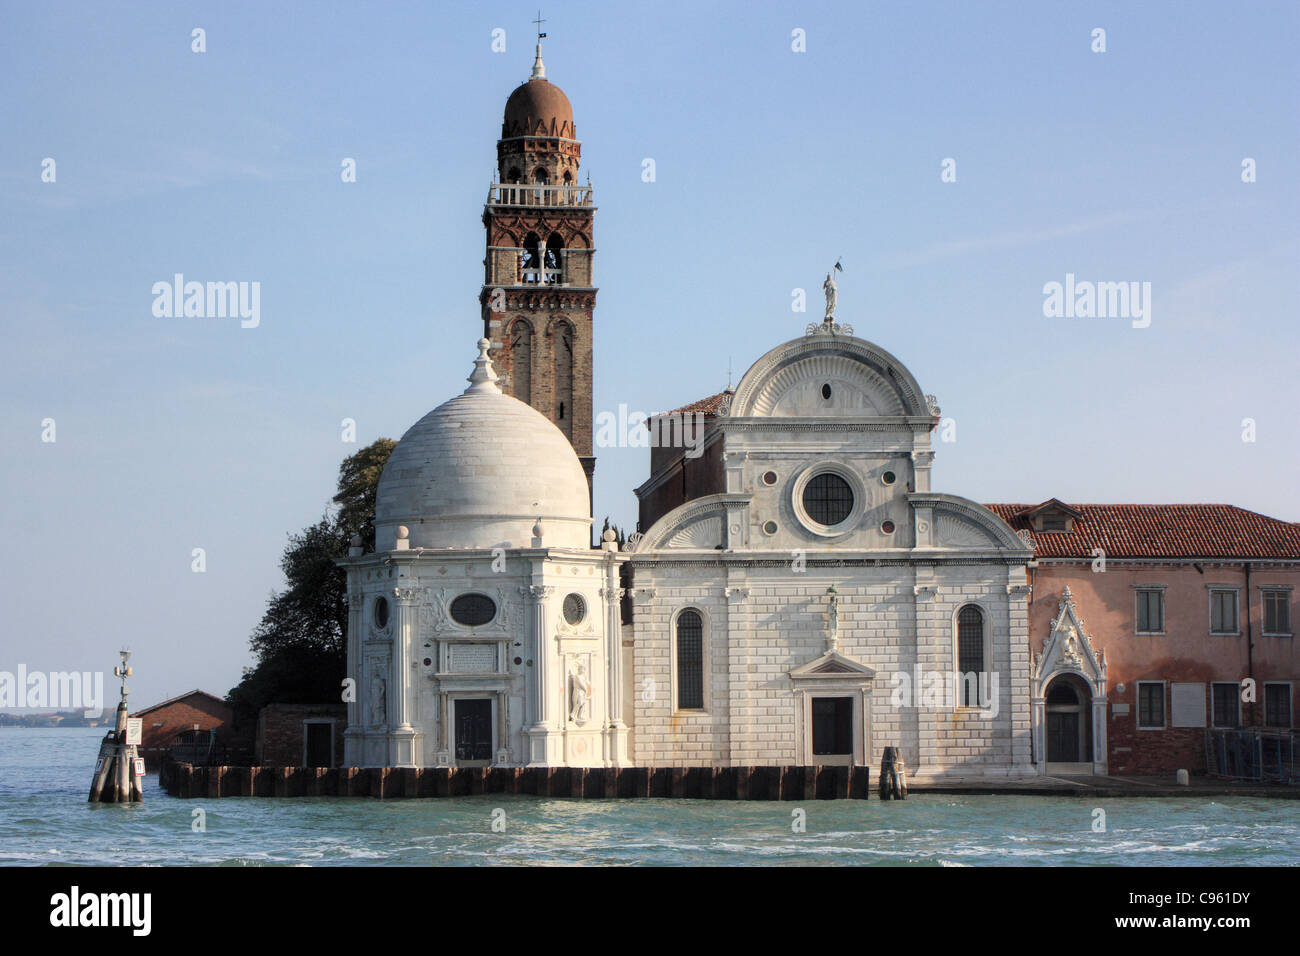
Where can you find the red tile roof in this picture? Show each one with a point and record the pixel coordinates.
(709, 406)
(1162, 531)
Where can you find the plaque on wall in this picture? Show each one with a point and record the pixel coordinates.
(1187, 705)
(472, 658)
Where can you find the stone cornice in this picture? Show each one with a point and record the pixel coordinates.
(826, 424)
(748, 559)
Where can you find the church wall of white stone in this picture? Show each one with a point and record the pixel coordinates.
(775, 621)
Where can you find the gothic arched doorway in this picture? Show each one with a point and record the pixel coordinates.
(1069, 721)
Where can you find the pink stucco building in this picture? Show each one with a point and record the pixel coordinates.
(1151, 624)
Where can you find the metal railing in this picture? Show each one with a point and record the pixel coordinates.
(1252, 754)
(538, 194)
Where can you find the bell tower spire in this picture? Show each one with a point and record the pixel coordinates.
(539, 298)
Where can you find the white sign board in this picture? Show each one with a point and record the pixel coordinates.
(134, 730)
(139, 766)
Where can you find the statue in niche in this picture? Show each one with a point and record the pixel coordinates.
(579, 696)
(378, 701)
(833, 620)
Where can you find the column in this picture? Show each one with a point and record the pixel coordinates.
(615, 729)
(402, 735)
(352, 736)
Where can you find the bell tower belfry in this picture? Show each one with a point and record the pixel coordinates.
(539, 295)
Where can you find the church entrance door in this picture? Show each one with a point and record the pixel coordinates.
(832, 730)
(473, 731)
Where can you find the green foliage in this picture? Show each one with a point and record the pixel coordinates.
(301, 641)
(358, 482)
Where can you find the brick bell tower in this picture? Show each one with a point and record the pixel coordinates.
(538, 295)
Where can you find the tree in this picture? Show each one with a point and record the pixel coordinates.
(301, 641)
(358, 482)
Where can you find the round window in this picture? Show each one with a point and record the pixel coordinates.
(769, 477)
(826, 391)
(889, 477)
(575, 608)
(473, 610)
(887, 527)
(769, 527)
(381, 612)
(828, 499)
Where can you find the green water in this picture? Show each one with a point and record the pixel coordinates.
(44, 819)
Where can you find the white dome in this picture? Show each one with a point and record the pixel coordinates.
(479, 471)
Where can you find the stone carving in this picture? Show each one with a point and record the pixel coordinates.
(832, 296)
(433, 612)
(633, 540)
(579, 696)
(932, 404)
(829, 328)
(833, 620)
(378, 698)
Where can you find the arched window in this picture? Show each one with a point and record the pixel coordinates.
(530, 261)
(563, 345)
(970, 653)
(690, 660)
(540, 176)
(554, 245)
(521, 361)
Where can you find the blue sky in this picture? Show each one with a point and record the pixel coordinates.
(180, 433)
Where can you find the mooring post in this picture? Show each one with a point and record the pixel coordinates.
(893, 780)
(116, 780)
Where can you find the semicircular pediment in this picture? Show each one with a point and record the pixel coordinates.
(799, 390)
(828, 376)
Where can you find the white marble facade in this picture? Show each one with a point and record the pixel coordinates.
(759, 568)
(811, 632)
(484, 608)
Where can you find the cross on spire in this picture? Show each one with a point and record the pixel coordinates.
(539, 68)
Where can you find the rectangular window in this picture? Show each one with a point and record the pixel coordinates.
(1150, 611)
(1277, 705)
(1227, 705)
(1151, 705)
(1223, 611)
(1277, 612)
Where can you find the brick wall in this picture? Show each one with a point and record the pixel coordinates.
(281, 732)
(162, 724)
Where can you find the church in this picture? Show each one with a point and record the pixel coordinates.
(796, 593)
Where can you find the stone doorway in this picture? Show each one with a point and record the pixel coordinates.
(473, 731)
(1069, 713)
